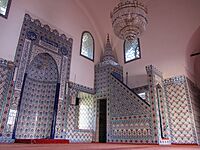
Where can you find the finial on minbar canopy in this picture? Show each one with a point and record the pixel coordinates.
(108, 39)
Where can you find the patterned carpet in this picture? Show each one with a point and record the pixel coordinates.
(93, 147)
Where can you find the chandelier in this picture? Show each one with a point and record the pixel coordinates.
(129, 19)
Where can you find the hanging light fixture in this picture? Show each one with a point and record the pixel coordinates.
(129, 19)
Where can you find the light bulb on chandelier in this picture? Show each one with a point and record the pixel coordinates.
(129, 19)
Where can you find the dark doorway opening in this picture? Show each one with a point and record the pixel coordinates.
(102, 120)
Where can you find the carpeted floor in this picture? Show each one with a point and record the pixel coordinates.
(93, 147)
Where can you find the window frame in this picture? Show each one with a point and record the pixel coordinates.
(7, 10)
(134, 58)
(92, 59)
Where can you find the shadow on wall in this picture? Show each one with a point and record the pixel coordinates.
(197, 69)
(193, 62)
(137, 80)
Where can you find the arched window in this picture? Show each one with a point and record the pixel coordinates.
(4, 7)
(87, 45)
(131, 50)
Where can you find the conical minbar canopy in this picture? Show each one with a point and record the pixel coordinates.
(108, 52)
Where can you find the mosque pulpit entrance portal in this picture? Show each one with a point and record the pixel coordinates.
(102, 121)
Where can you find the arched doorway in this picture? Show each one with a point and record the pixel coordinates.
(38, 98)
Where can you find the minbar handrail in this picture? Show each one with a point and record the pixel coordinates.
(130, 90)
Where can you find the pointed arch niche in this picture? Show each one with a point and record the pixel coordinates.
(38, 98)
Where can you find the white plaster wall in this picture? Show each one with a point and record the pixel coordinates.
(163, 44)
(193, 63)
(65, 16)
